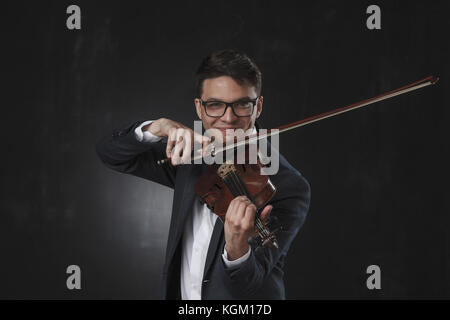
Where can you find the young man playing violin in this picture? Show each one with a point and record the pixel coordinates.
(207, 258)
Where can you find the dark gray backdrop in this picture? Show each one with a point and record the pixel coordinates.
(378, 175)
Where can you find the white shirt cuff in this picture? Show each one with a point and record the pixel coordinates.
(145, 136)
(237, 262)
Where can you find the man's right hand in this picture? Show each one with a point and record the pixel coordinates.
(180, 139)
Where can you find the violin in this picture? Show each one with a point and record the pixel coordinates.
(221, 183)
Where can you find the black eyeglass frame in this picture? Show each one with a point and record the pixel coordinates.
(229, 104)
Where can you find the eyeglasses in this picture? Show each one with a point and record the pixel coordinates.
(216, 109)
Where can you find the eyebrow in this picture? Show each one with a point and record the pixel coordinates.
(240, 99)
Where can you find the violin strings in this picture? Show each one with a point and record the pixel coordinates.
(241, 190)
(237, 189)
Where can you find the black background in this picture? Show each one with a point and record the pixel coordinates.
(378, 175)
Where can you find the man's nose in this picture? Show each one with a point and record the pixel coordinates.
(229, 115)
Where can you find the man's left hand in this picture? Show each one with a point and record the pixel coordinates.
(240, 225)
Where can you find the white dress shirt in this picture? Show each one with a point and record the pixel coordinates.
(196, 237)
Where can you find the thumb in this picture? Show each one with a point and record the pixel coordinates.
(265, 213)
(203, 140)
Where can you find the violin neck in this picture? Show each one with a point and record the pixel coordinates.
(237, 188)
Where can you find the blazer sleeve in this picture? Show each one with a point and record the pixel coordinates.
(290, 207)
(123, 152)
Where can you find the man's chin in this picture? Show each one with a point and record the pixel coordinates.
(227, 135)
(228, 132)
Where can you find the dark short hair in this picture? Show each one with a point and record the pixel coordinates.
(232, 63)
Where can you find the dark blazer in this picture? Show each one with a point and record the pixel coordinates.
(261, 275)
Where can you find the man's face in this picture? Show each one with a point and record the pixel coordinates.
(226, 89)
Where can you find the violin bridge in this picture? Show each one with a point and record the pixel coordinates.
(225, 169)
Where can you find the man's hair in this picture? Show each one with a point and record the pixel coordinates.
(232, 63)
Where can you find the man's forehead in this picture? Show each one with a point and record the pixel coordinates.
(226, 88)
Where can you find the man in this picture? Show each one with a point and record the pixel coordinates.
(207, 258)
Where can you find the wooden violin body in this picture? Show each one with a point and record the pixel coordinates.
(221, 183)
(245, 179)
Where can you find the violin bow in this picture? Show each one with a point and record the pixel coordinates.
(270, 132)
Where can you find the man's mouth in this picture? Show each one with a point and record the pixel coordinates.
(229, 134)
(227, 130)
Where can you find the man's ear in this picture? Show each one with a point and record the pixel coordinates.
(198, 108)
(259, 107)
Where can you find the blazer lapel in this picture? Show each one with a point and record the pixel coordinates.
(185, 205)
(216, 243)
